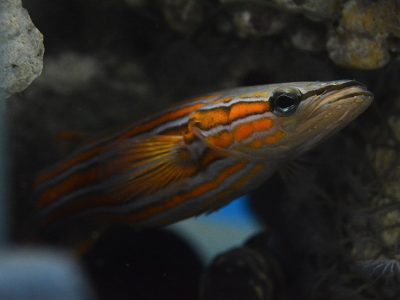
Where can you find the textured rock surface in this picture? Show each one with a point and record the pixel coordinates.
(360, 40)
(21, 48)
(374, 226)
(251, 272)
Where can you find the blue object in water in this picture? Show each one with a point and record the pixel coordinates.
(237, 212)
(221, 230)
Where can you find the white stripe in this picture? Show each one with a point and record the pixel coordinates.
(230, 103)
(174, 124)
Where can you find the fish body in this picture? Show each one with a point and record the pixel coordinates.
(196, 156)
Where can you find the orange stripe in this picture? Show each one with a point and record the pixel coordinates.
(74, 182)
(262, 124)
(84, 178)
(181, 198)
(241, 110)
(50, 174)
(245, 130)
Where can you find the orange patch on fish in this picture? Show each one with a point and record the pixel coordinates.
(241, 110)
(245, 130)
(262, 124)
(206, 120)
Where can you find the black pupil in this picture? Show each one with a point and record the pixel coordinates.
(285, 104)
(285, 101)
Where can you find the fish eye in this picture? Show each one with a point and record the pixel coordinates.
(284, 104)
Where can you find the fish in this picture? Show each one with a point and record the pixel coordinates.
(196, 156)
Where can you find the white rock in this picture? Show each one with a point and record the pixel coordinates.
(21, 48)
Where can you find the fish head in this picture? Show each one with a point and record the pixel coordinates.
(271, 122)
(308, 112)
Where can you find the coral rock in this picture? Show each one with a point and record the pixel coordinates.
(357, 51)
(360, 40)
(21, 48)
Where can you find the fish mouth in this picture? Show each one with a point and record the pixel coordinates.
(349, 94)
(352, 89)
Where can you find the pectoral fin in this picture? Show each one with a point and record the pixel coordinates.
(150, 164)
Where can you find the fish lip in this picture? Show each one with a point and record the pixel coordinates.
(336, 95)
(368, 96)
(345, 91)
